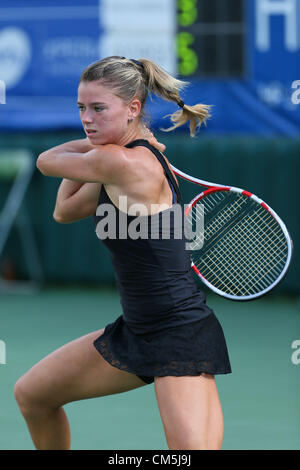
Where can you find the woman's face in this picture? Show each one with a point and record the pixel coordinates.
(104, 116)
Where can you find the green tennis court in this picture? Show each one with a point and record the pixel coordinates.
(260, 398)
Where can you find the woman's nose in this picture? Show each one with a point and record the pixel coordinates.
(87, 116)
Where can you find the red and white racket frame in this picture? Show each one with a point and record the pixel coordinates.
(213, 188)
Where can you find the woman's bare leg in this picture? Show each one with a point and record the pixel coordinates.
(73, 372)
(191, 412)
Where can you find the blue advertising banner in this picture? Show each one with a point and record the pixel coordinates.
(274, 36)
(45, 45)
(44, 48)
(274, 64)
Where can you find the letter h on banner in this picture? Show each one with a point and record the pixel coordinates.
(264, 10)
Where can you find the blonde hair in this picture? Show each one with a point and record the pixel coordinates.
(129, 78)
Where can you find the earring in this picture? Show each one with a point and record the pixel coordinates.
(130, 121)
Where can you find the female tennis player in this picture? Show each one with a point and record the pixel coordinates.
(167, 334)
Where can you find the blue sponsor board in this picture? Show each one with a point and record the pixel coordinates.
(274, 35)
(44, 48)
(274, 65)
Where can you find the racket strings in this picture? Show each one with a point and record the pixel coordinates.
(267, 231)
(255, 260)
(248, 275)
(268, 254)
(221, 219)
(238, 279)
(251, 254)
(214, 201)
(224, 276)
(226, 214)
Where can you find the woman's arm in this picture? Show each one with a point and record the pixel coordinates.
(75, 201)
(76, 198)
(80, 161)
(79, 146)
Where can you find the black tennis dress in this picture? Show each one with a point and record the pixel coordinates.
(166, 327)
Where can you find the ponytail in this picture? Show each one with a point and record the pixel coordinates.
(162, 84)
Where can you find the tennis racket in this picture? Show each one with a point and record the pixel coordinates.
(245, 249)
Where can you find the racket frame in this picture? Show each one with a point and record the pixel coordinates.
(218, 187)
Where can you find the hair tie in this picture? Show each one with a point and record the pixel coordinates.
(137, 62)
(180, 103)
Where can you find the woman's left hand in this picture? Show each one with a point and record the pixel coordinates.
(153, 141)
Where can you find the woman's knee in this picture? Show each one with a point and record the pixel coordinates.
(28, 399)
(23, 395)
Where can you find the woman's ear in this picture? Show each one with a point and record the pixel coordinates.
(134, 109)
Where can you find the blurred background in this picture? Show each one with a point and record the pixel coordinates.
(57, 281)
